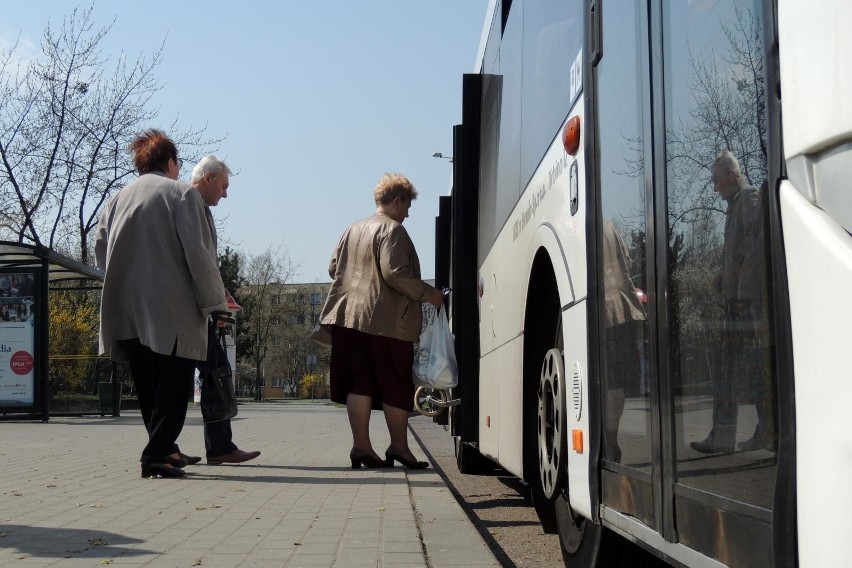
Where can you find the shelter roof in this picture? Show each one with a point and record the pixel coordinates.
(60, 268)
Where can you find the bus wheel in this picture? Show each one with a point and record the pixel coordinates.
(552, 442)
(585, 544)
(581, 540)
(579, 537)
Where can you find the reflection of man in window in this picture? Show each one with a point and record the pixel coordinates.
(744, 345)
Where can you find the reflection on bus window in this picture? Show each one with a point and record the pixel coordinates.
(716, 159)
(624, 333)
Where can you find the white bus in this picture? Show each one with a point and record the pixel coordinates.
(648, 241)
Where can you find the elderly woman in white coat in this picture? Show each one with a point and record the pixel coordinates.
(161, 284)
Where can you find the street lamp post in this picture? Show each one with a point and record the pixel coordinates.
(440, 155)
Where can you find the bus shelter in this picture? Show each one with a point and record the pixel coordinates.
(27, 274)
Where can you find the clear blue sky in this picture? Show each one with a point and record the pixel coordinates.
(317, 100)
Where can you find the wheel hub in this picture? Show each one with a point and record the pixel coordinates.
(552, 442)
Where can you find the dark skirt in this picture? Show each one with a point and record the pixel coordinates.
(622, 354)
(371, 365)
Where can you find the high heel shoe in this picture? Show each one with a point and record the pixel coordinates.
(408, 464)
(163, 470)
(358, 457)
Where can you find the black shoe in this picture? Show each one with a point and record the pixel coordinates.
(408, 464)
(710, 446)
(162, 470)
(190, 460)
(177, 462)
(359, 457)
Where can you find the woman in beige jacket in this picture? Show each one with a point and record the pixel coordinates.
(374, 310)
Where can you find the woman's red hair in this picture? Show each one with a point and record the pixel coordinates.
(152, 151)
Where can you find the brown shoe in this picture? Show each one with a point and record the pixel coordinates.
(237, 456)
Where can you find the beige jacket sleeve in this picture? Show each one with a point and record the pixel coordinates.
(400, 266)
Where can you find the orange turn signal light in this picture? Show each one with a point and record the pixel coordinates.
(571, 135)
(577, 440)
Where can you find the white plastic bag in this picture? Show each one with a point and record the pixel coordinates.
(435, 358)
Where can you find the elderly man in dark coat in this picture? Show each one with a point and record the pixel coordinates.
(211, 178)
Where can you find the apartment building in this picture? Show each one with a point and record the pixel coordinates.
(289, 314)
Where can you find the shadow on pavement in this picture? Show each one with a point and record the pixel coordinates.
(43, 542)
(306, 480)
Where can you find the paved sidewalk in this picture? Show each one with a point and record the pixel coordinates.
(71, 495)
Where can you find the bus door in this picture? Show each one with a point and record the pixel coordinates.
(685, 348)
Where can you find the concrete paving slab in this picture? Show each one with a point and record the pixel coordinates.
(71, 495)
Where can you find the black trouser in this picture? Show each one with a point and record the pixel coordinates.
(217, 438)
(162, 383)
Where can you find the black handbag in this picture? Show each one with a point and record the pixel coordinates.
(218, 400)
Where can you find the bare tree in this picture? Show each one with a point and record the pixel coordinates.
(66, 119)
(290, 354)
(728, 114)
(264, 275)
(725, 110)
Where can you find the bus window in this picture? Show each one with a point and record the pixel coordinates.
(623, 279)
(553, 35)
(716, 140)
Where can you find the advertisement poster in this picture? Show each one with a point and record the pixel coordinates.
(17, 340)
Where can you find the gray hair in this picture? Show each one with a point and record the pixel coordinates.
(209, 164)
(727, 162)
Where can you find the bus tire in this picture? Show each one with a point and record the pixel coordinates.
(579, 538)
(585, 544)
(541, 333)
(544, 507)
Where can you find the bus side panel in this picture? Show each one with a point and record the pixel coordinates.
(501, 371)
(540, 220)
(489, 379)
(576, 370)
(819, 270)
(563, 236)
(510, 410)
